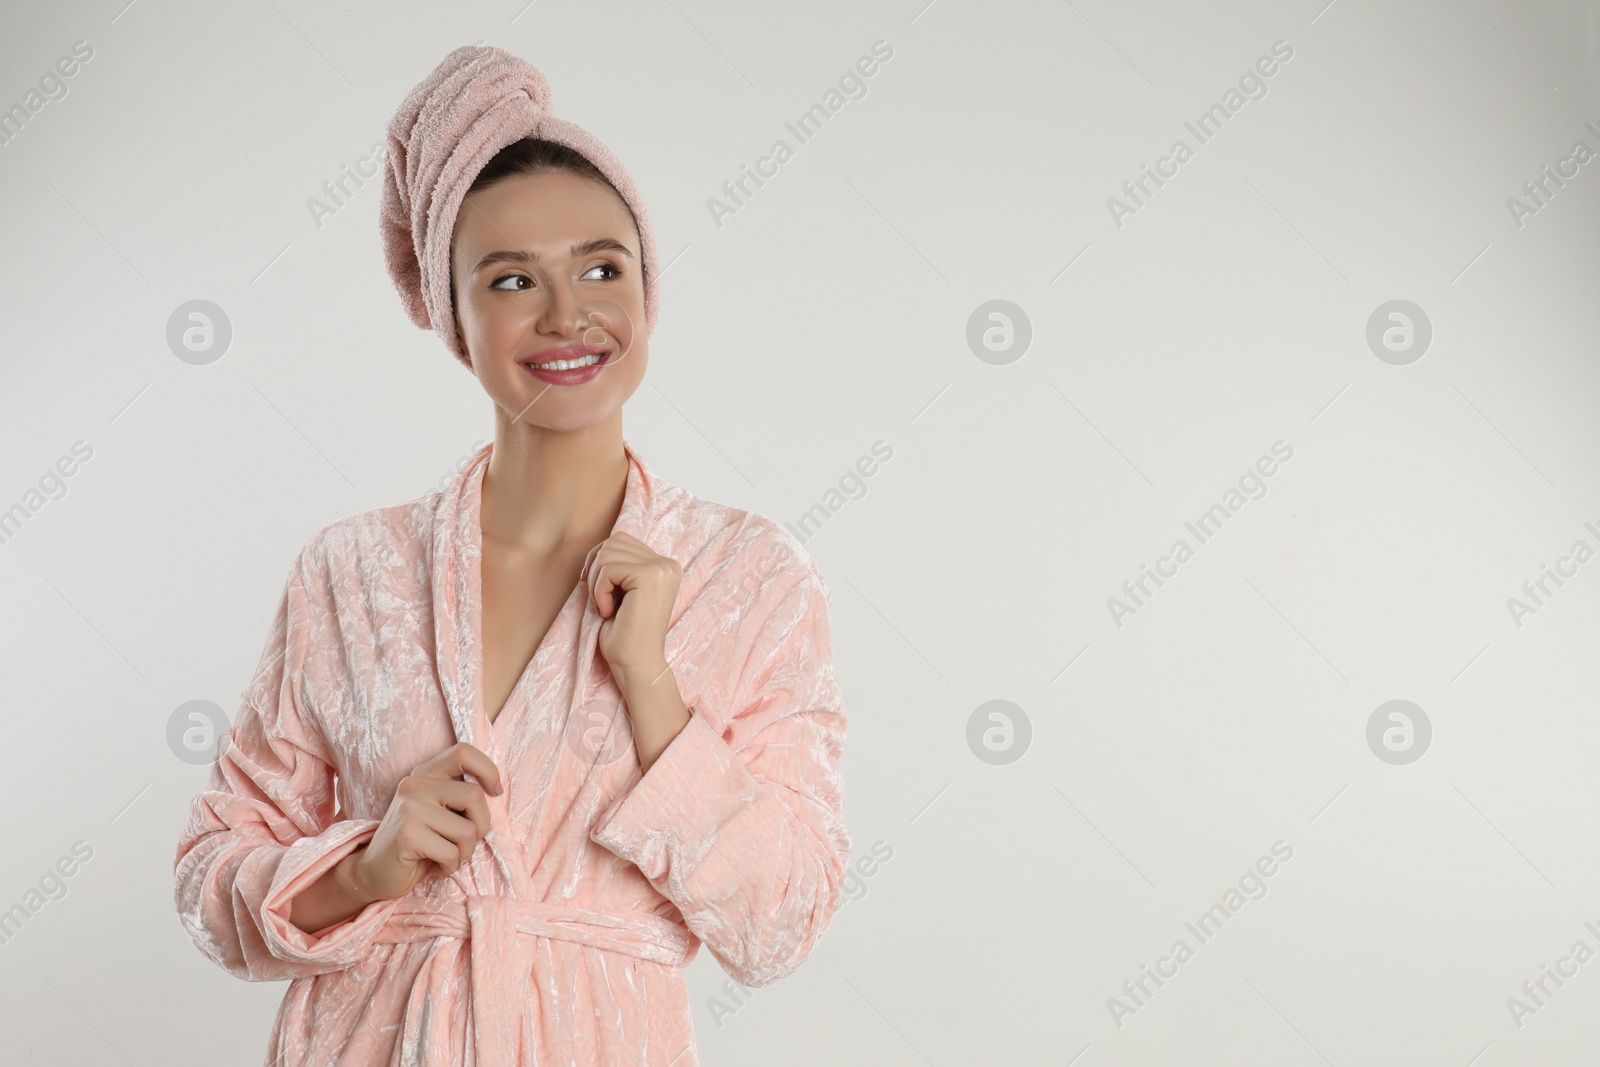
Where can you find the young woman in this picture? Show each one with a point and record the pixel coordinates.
(517, 748)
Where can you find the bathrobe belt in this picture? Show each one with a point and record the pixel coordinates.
(499, 958)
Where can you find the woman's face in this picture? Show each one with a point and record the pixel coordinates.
(547, 261)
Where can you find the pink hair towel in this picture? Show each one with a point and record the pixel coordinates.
(474, 103)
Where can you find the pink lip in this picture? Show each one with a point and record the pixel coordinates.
(574, 376)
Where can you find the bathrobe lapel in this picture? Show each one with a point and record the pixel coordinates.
(458, 639)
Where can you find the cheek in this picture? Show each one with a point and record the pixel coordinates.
(638, 358)
(494, 329)
(494, 319)
(621, 380)
(469, 316)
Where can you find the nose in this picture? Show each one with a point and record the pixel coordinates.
(560, 312)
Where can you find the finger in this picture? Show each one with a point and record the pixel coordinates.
(461, 832)
(422, 842)
(465, 798)
(613, 578)
(588, 560)
(477, 761)
(615, 564)
(600, 588)
(462, 758)
(621, 546)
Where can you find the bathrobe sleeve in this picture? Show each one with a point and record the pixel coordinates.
(264, 829)
(742, 827)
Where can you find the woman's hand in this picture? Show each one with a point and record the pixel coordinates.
(433, 823)
(634, 589)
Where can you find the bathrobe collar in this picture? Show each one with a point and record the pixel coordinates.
(457, 583)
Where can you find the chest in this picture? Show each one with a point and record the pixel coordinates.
(522, 596)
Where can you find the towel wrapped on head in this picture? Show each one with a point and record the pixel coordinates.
(476, 101)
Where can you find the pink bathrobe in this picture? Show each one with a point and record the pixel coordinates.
(562, 940)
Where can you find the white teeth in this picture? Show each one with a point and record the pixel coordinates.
(568, 364)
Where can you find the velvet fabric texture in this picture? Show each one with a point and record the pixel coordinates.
(561, 940)
(473, 104)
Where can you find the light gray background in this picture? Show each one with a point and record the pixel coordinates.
(1167, 355)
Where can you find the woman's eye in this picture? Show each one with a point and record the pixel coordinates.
(515, 280)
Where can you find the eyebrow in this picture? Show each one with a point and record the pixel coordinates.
(582, 248)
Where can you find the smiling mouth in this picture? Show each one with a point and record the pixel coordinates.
(571, 364)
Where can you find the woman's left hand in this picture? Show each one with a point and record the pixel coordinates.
(634, 590)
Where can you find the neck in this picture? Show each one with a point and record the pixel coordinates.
(552, 490)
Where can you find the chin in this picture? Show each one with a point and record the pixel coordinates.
(563, 423)
(564, 414)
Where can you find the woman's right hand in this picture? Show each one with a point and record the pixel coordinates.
(432, 826)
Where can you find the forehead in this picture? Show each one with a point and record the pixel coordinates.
(545, 211)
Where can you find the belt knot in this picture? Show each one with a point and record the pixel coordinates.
(499, 930)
